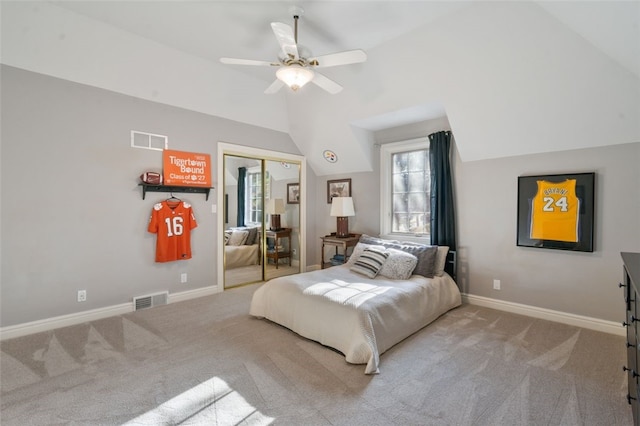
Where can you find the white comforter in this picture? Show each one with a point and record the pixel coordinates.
(236, 256)
(360, 317)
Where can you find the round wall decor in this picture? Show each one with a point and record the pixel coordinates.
(330, 156)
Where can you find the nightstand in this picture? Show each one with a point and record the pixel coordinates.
(341, 245)
(279, 251)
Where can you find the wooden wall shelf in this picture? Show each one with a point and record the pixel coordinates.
(170, 188)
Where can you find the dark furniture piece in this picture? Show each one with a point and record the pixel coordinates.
(279, 251)
(146, 187)
(631, 284)
(339, 243)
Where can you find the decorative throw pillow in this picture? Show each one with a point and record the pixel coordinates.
(358, 249)
(399, 265)
(227, 236)
(426, 261)
(426, 254)
(252, 237)
(238, 238)
(441, 260)
(370, 262)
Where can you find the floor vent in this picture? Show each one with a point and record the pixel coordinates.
(144, 302)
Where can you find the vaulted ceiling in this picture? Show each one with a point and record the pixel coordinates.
(511, 78)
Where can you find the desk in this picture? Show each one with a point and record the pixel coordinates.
(338, 243)
(283, 252)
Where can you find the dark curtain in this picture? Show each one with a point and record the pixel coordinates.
(443, 215)
(242, 175)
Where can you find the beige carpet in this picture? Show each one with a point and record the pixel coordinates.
(205, 361)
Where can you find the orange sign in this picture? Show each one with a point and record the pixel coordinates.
(186, 168)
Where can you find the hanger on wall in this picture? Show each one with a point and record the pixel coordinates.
(173, 198)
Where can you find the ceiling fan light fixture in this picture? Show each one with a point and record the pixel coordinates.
(295, 76)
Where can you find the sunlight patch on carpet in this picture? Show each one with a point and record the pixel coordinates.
(210, 402)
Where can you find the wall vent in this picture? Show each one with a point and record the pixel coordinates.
(149, 141)
(151, 300)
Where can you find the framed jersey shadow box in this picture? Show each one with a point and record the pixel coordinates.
(556, 211)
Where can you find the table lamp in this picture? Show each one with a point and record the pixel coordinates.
(342, 208)
(275, 207)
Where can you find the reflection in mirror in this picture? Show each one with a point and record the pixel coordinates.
(243, 220)
(260, 191)
(282, 220)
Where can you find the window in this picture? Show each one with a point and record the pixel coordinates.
(405, 188)
(254, 196)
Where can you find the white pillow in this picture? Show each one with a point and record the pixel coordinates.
(227, 236)
(238, 238)
(441, 260)
(399, 265)
(370, 262)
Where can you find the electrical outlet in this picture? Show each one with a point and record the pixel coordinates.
(82, 295)
(496, 284)
(183, 277)
(293, 251)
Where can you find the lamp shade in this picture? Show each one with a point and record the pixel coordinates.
(275, 206)
(342, 207)
(294, 76)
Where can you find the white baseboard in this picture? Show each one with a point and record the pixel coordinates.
(19, 330)
(313, 268)
(192, 294)
(547, 314)
(47, 324)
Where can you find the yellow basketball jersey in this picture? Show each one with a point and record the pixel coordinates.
(555, 211)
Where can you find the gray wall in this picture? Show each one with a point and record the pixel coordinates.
(365, 186)
(72, 216)
(72, 212)
(577, 283)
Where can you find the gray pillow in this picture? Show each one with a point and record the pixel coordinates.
(252, 237)
(426, 254)
(238, 238)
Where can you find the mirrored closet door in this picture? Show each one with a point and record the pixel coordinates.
(261, 213)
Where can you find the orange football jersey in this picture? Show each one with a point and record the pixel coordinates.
(172, 221)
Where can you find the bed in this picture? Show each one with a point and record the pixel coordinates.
(358, 315)
(242, 247)
(244, 255)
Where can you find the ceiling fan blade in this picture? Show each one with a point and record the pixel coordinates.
(326, 83)
(275, 86)
(235, 61)
(286, 39)
(340, 58)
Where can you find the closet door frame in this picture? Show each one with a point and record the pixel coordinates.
(261, 154)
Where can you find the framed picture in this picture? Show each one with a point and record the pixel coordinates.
(556, 211)
(293, 193)
(338, 188)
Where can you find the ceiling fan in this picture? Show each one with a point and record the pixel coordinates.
(295, 67)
